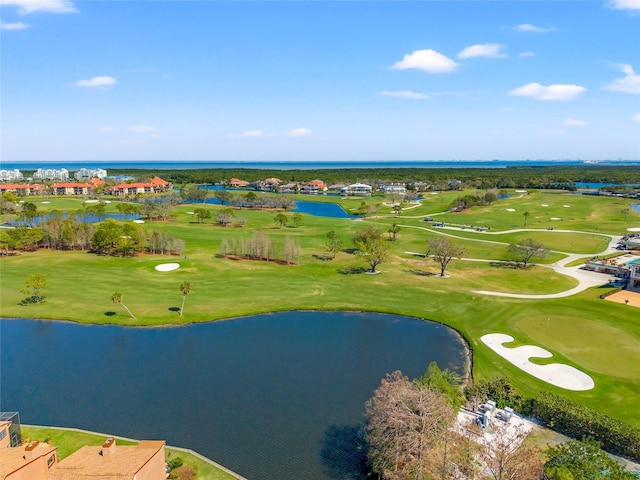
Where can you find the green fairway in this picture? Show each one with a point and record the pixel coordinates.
(597, 337)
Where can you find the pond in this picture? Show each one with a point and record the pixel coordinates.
(271, 396)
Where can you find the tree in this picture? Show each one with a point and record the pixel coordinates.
(526, 216)
(625, 212)
(35, 283)
(528, 248)
(334, 244)
(185, 288)
(409, 430)
(444, 381)
(29, 211)
(280, 220)
(297, 219)
(116, 297)
(225, 216)
(509, 455)
(201, 214)
(224, 196)
(197, 194)
(575, 460)
(393, 232)
(443, 251)
(374, 249)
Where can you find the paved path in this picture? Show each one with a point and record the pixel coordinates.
(585, 278)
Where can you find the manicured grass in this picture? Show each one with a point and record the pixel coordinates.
(591, 334)
(68, 441)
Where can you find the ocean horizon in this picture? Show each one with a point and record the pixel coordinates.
(298, 165)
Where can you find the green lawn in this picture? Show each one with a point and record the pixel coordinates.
(596, 336)
(68, 441)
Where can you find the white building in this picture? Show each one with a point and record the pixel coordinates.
(357, 190)
(11, 175)
(51, 174)
(396, 189)
(88, 173)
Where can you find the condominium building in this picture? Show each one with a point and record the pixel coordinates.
(7, 175)
(61, 174)
(87, 173)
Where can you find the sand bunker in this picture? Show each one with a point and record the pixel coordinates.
(555, 218)
(167, 267)
(191, 213)
(566, 206)
(433, 193)
(521, 191)
(91, 201)
(545, 204)
(138, 221)
(510, 209)
(558, 374)
(633, 229)
(45, 202)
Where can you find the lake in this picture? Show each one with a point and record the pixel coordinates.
(272, 397)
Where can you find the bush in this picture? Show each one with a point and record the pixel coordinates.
(578, 421)
(184, 472)
(176, 462)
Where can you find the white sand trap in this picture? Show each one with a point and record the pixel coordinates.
(433, 193)
(558, 374)
(555, 218)
(633, 229)
(566, 206)
(167, 267)
(45, 202)
(510, 209)
(545, 205)
(191, 213)
(521, 191)
(138, 221)
(91, 201)
(106, 201)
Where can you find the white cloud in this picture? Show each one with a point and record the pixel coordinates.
(527, 27)
(625, 4)
(428, 61)
(527, 54)
(636, 118)
(13, 26)
(490, 50)
(299, 132)
(96, 82)
(143, 129)
(252, 134)
(550, 92)
(405, 94)
(105, 128)
(29, 6)
(628, 84)
(571, 122)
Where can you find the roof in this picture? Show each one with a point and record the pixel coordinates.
(123, 463)
(159, 181)
(12, 459)
(21, 185)
(72, 185)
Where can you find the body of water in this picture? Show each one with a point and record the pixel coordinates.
(293, 165)
(596, 185)
(273, 397)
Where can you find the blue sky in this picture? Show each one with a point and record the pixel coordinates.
(325, 80)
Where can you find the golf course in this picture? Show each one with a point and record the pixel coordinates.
(595, 336)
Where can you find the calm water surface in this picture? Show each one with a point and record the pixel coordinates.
(272, 397)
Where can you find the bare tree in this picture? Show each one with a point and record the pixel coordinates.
(528, 248)
(443, 251)
(334, 244)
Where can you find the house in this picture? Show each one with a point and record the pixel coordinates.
(155, 185)
(394, 189)
(23, 189)
(72, 188)
(314, 187)
(291, 187)
(237, 183)
(14, 174)
(271, 184)
(33, 461)
(357, 190)
(144, 461)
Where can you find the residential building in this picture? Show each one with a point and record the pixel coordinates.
(10, 433)
(271, 184)
(394, 189)
(314, 187)
(144, 461)
(357, 190)
(33, 461)
(6, 175)
(87, 173)
(237, 183)
(61, 174)
(23, 189)
(634, 275)
(72, 188)
(288, 188)
(155, 185)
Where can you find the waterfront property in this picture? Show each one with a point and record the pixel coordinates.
(357, 190)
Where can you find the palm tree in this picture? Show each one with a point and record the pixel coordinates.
(525, 215)
(185, 288)
(117, 298)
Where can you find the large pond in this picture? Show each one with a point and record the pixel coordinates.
(275, 397)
